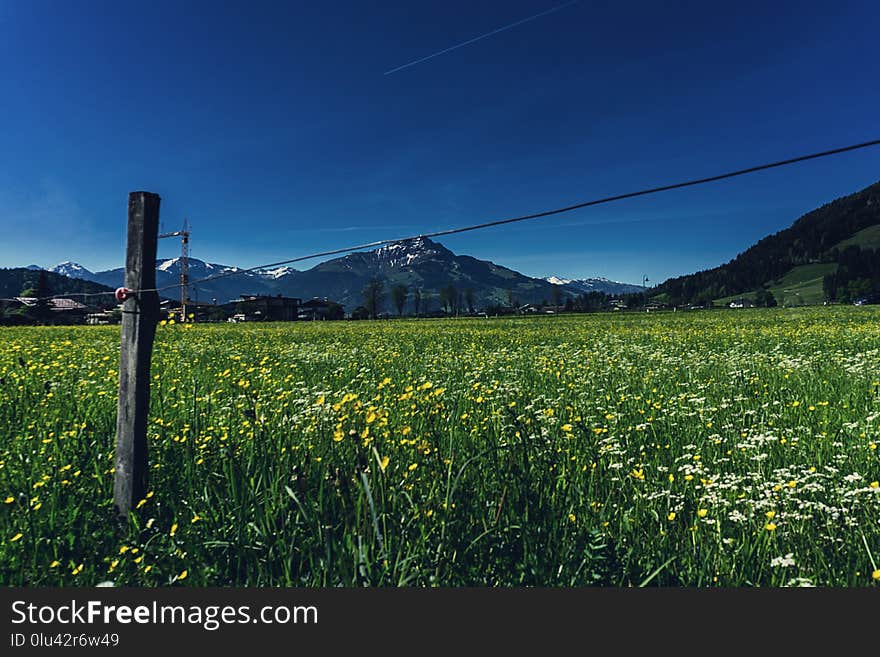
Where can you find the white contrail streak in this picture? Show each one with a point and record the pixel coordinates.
(482, 36)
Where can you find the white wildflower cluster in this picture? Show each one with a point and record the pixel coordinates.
(783, 562)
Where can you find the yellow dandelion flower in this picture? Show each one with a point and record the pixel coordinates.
(383, 463)
(173, 529)
(320, 401)
(413, 466)
(702, 513)
(638, 474)
(572, 517)
(671, 477)
(770, 527)
(671, 516)
(15, 538)
(770, 515)
(183, 575)
(875, 484)
(9, 500)
(566, 428)
(195, 519)
(77, 570)
(55, 564)
(876, 575)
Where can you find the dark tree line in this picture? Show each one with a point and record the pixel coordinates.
(809, 240)
(453, 301)
(857, 275)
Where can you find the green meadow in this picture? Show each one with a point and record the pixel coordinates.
(708, 448)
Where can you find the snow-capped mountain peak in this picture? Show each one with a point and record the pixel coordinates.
(167, 264)
(72, 270)
(408, 252)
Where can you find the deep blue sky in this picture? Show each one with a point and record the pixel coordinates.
(273, 126)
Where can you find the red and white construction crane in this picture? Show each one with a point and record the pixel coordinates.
(184, 266)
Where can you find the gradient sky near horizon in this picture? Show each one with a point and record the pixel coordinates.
(285, 128)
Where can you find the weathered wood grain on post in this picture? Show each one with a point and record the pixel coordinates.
(140, 314)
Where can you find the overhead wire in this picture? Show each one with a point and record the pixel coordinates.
(537, 215)
(499, 222)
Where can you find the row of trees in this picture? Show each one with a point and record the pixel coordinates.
(452, 300)
(857, 275)
(38, 313)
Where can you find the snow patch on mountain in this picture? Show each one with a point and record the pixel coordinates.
(168, 264)
(553, 280)
(275, 274)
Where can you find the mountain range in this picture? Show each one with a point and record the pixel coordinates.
(419, 264)
(828, 254)
(587, 285)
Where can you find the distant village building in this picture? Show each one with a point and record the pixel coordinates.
(66, 311)
(320, 309)
(742, 303)
(100, 318)
(57, 305)
(537, 309)
(260, 308)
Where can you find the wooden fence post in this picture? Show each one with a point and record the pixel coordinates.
(140, 314)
